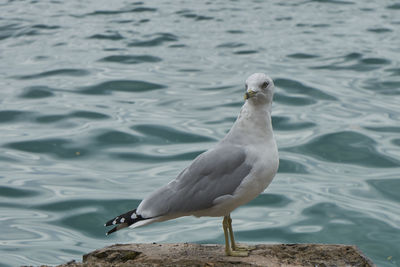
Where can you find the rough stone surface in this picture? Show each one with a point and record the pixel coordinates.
(177, 255)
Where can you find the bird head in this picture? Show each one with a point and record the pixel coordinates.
(259, 89)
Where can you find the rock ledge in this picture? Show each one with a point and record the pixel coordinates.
(179, 255)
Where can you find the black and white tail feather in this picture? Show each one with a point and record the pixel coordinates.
(124, 220)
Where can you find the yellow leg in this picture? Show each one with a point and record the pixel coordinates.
(227, 226)
(234, 246)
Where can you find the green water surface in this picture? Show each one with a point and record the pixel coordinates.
(102, 102)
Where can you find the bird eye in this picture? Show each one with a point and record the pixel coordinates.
(265, 84)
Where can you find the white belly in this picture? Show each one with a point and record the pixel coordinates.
(258, 179)
(252, 185)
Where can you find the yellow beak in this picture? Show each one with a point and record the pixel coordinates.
(249, 94)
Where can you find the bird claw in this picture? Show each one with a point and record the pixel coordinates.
(243, 248)
(237, 253)
(240, 251)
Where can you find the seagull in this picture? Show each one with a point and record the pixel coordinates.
(235, 171)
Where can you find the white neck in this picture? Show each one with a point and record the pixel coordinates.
(253, 123)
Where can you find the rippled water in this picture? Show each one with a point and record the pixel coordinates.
(102, 103)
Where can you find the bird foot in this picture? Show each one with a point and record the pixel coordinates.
(237, 253)
(240, 251)
(244, 248)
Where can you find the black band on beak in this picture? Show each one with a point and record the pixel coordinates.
(249, 94)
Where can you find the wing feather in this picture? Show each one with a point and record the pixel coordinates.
(214, 173)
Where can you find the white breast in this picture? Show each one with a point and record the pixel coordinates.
(265, 166)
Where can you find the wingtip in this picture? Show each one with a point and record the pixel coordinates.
(113, 230)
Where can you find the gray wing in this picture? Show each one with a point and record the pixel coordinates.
(214, 173)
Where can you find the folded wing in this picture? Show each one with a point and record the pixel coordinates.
(215, 173)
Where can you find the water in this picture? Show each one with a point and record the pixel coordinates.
(102, 103)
